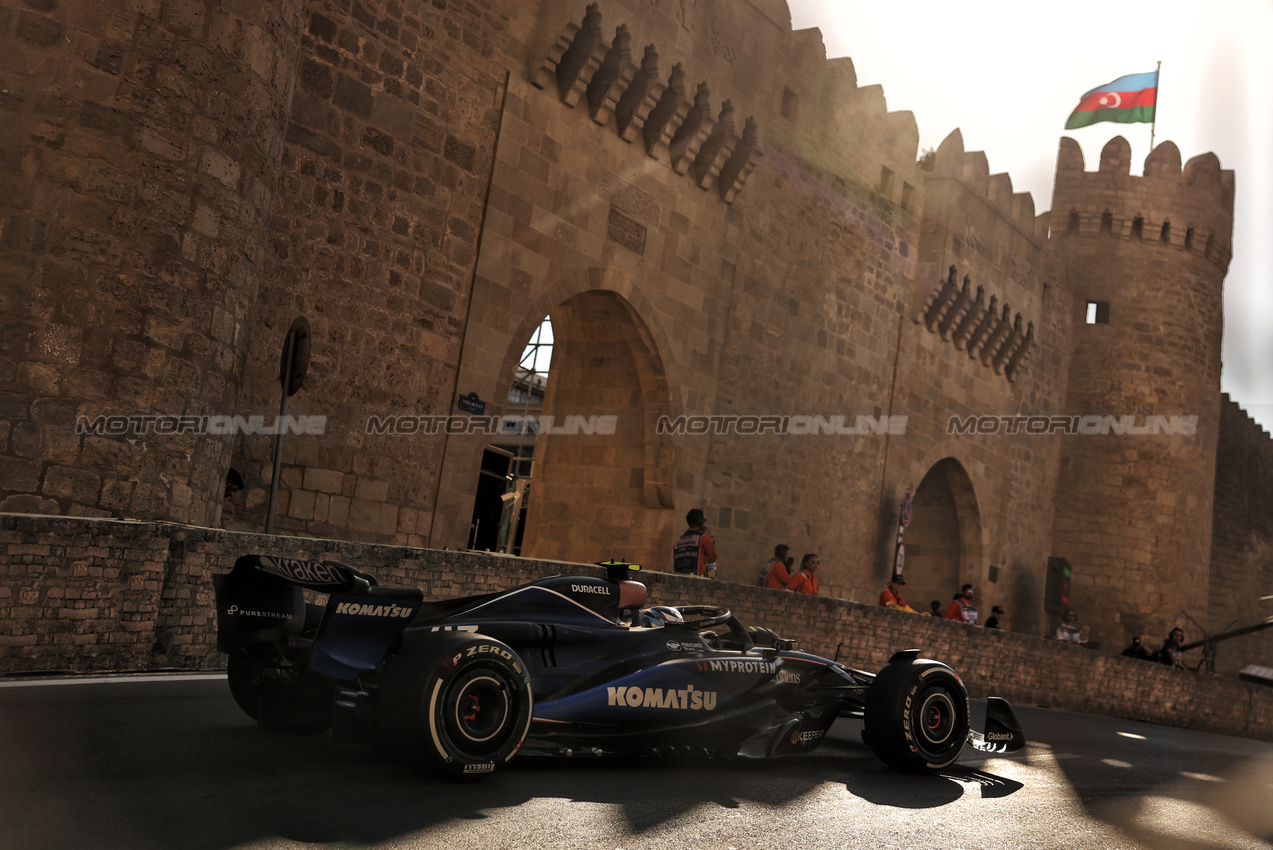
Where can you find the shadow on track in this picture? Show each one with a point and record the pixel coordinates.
(182, 767)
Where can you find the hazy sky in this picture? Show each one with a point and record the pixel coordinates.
(1008, 75)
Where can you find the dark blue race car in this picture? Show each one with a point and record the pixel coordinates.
(567, 666)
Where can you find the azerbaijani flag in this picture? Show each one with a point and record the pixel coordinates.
(1127, 100)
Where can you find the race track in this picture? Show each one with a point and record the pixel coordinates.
(170, 762)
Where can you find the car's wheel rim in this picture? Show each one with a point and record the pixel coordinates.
(478, 711)
(936, 719)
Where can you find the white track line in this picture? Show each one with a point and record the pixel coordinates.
(110, 680)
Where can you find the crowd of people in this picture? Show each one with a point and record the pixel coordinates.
(960, 608)
(778, 572)
(694, 553)
(1168, 652)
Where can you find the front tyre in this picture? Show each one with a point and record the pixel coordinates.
(460, 705)
(917, 715)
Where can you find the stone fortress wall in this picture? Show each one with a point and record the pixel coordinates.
(720, 222)
(1151, 251)
(143, 145)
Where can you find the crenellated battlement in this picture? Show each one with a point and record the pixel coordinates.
(1188, 209)
(1241, 430)
(667, 96)
(973, 170)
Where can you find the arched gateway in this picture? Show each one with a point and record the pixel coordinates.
(601, 481)
(943, 540)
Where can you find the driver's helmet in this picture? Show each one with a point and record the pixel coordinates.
(660, 616)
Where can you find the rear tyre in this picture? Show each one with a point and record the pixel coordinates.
(245, 685)
(279, 698)
(460, 705)
(917, 715)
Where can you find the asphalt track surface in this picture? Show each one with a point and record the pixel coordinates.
(170, 762)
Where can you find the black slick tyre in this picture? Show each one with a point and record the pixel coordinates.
(245, 684)
(917, 715)
(279, 698)
(459, 705)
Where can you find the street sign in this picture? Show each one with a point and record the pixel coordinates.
(471, 403)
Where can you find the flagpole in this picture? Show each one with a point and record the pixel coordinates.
(1153, 125)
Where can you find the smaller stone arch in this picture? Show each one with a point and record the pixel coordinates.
(943, 540)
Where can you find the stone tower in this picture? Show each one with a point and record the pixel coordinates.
(1145, 258)
(141, 147)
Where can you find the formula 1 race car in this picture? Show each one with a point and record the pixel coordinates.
(568, 665)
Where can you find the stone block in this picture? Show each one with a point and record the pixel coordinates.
(19, 474)
(372, 490)
(62, 482)
(364, 515)
(323, 480)
(301, 505)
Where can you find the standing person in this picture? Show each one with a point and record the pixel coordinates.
(992, 622)
(805, 581)
(774, 575)
(891, 596)
(961, 607)
(1169, 650)
(695, 549)
(1136, 650)
(1068, 631)
(233, 484)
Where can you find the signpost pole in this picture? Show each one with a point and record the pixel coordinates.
(289, 349)
(903, 520)
(291, 375)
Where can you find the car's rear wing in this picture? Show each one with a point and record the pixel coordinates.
(261, 603)
(323, 576)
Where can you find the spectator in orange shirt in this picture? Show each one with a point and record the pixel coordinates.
(805, 581)
(961, 607)
(891, 596)
(776, 575)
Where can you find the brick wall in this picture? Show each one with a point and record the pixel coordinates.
(82, 595)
